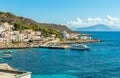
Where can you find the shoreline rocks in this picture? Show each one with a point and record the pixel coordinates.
(81, 41)
(24, 45)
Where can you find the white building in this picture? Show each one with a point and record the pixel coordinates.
(35, 37)
(38, 33)
(65, 34)
(20, 37)
(13, 38)
(7, 34)
(1, 29)
(7, 26)
(1, 39)
(74, 35)
(85, 37)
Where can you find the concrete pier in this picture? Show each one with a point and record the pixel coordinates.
(56, 47)
(80, 41)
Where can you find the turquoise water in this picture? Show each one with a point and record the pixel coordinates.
(101, 61)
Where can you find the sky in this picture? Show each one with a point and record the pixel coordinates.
(73, 13)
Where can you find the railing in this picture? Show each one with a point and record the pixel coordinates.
(22, 75)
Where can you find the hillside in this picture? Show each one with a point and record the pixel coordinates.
(12, 19)
(98, 27)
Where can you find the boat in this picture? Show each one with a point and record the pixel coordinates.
(79, 47)
(6, 55)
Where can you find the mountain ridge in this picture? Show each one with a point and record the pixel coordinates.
(97, 27)
(11, 19)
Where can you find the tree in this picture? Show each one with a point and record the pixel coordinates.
(10, 14)
(44, 30)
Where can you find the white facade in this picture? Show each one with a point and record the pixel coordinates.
(13, 38)
(65, 34)
(7, 26)
(72, 35)
(2, 29)
(5, 40)
(7, 34)
(38, 33)
(1, 39)
(21, 37)
(85, 37)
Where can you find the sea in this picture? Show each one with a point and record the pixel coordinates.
(101, 61)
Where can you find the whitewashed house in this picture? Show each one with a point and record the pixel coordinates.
(7, 26)
(38, 33)
(2, 29)
(13, 37)
(85, 37)
(21, 37)
(65, 34)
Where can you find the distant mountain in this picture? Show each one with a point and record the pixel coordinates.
(98, 27)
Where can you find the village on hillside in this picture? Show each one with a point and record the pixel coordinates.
(10, 38)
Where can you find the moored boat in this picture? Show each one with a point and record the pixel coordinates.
(6, 55)
(79, 47)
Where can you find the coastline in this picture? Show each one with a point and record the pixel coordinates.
(81, 41)
(24, 45)
(21, 45)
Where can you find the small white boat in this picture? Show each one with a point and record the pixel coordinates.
(79, 47)
(6, 56)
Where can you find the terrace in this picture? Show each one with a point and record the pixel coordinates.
(8, 72)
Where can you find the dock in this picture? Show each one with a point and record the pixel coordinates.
(56, 47)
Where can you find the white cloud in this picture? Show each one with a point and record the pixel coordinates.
(113, 20)
(109, 17)
(108, 20)
(94, 19)
(77, 21)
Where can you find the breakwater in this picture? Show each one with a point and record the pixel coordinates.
(80, 41)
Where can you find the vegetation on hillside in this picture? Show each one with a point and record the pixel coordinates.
(11, 18)
(46, 32)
